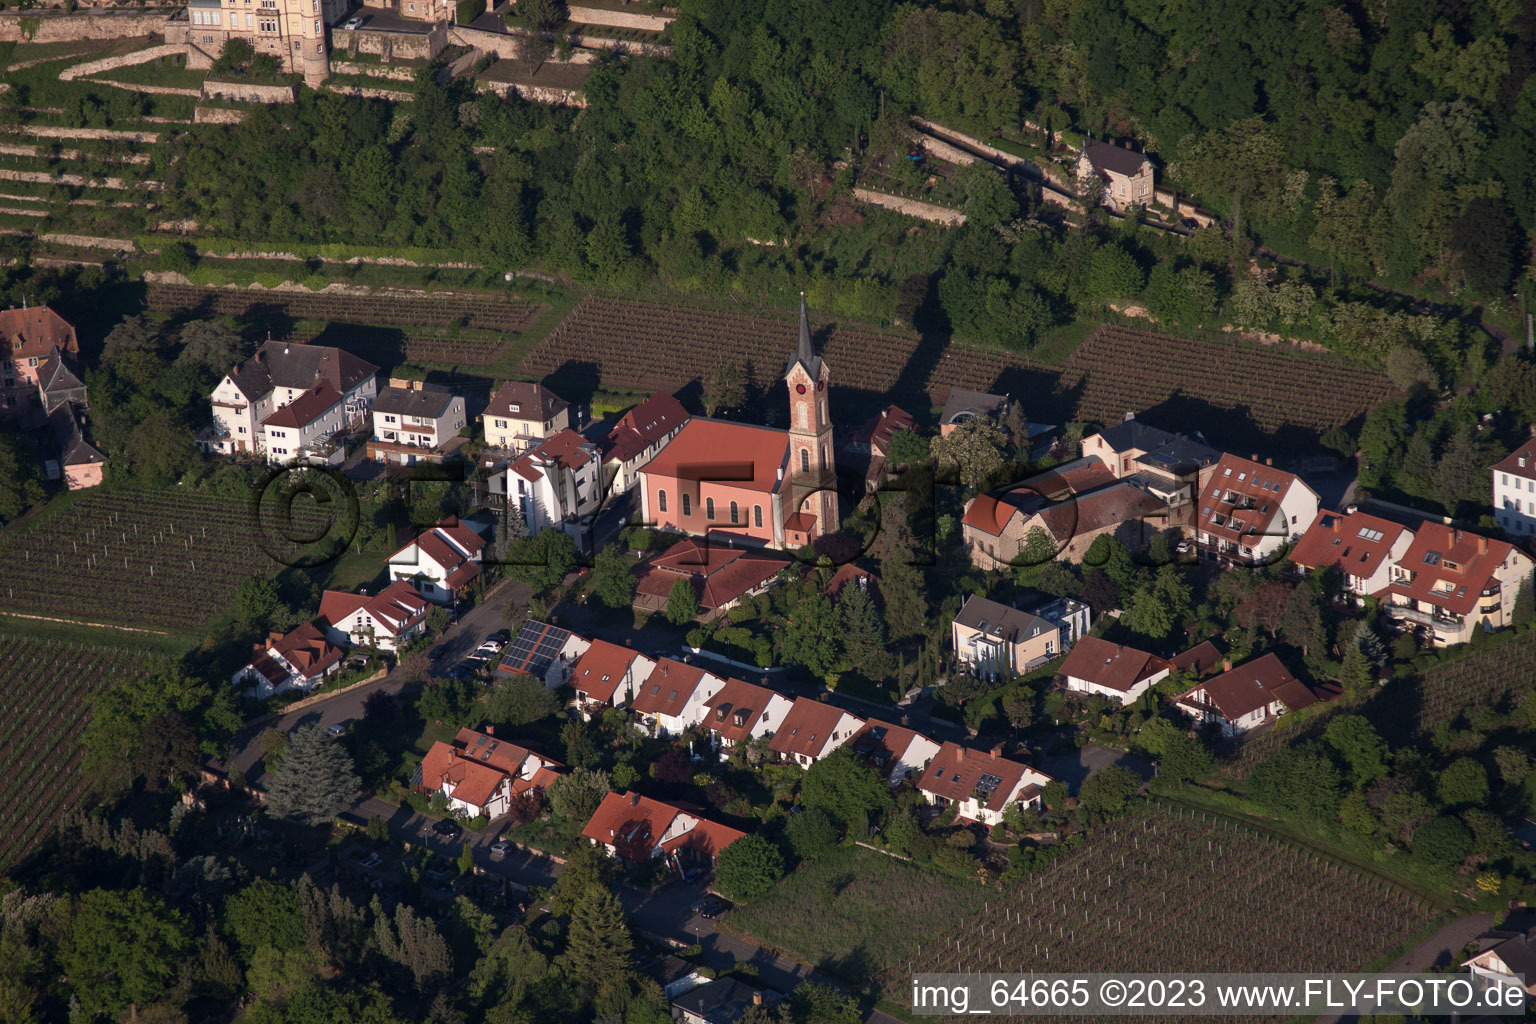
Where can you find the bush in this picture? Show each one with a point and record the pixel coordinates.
(748, 868)
(1442, 842)
(811, 833)
(469, 10)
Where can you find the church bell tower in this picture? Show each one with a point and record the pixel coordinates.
(813, 474)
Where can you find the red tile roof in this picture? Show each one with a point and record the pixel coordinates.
(472, 781)
(738, 454)
(850, 573)
(397, 607)
(1451, 568)
(991, 512)
(599, 671)
(446, 544)
(719, 574)
(741, 700)
(1250, 686)
(1112, 666)
(307, 650)
(1199, 659)
(956, 772)
(532, 401)
(877, 432)
(34, 333)
(882, 739)
(477, 762)
(644, 425)
(306, 408)
(634, 819)
(1097, 510)
(808, 726)
(1355, 544)
(1520, 462)
(565, 448)
(668, 688)
(1252, 484)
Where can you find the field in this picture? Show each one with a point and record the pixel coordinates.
(885, 908)
(619, 344)
(1186, 890)
(158, 561)
(44, 691)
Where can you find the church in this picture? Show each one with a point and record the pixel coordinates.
(756, 486)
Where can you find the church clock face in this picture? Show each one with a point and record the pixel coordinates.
(799, 389)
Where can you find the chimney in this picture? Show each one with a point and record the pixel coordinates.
(1129, 416)
(996, 751)
(261, 355)
(490, 730)
(1254, 457)
(1482, 545)
(634, 799)
(1269, 461)
(959, 752)
(757, 998)
(1226, 664)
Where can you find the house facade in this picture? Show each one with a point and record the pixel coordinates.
(391, 619)
(867, 452)
(300, 431)
(413, 421)
(479, 773)
(811, 730)
(1514, 490)
(521, 414)
(1122, 176)
(557, 482)
(1451, 582)
(992, 639)
(1360, 547)
(1245, 697)
(293, 31)
(1115, 671)
(440, 563)
(895, 751)
(1251, 513)
(983, 783)
(740, 712)
(675, 698)
(80, 463)
(638, 828)
(638, 437)
(300, 659)
(279, 373)
(607, 675)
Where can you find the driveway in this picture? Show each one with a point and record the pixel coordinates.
(345, 706)
(526, 868)
(1076, 768)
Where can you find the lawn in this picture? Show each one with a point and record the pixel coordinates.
(884, 909)
(155, 72)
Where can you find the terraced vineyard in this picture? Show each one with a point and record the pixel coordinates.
(1151, 888)
(619, 344)
(161, 562)
(432, 312)
(45, 690)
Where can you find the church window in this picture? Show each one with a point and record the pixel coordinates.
(805, 460)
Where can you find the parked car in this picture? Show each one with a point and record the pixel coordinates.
(353, 23)
(372, 860)
(500, 849)
(448, 828)
(711, 907)
(338, 730)
(489, 648)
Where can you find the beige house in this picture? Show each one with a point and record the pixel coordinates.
(1451, 582)
(1122, 177)
(414, 421)
(993, 639)
(293, 31)
(522, 413)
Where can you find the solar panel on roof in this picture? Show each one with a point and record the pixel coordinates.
(535, 647)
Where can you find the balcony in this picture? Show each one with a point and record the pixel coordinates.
(1438, 619)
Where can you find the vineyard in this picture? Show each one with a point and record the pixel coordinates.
(163, 562)
(1185, 890)
(44, 691)
(623, 345)
(431, 312)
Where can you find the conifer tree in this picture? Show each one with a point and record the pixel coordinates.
(315, 780)
(598, 943)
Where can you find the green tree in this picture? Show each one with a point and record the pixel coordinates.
(520, 700)
(1365, 752)
(988, 199)
(1442, 842)
(613, 580)
(119, 742)
(1148, 615)
(413, 941)
(575, 795)
(901, 831)
(1462, 783)
(726, 390)
(815, 1003)
(210, 347)
(124, 949)
(160, 449)
(1185, 757)
(812, 639)
(903, 589)
(682, 603)
(811, 833)
(748, 868)
(598, 944)
(845, 786)
(863, 632)
(975, 452)
(265, 913)
(1114, 273)
(1109, 788)
(907, 448)
(315, 780)
(1513, 764)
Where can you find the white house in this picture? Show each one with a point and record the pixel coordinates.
(298, 660)
(741, 712)
(896, 752)
(392, 619)
(412, 421)
(1250, 512)
(1121, 673)
(1451, 583)
(637, 438)
(1514, 490)
(557, 482)
(479, 774)
(811, 730)
(521, 414)
(982, 782)
(544, 651)
(441, 562)
(1246, 696)
(1362, 548)
(639, 828)
(674, 698)
(1123, 176)
(298, 431)
(607, 675)
(276, 375)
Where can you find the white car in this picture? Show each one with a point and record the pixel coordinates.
(354, 23)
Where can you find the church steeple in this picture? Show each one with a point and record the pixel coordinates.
(805, 352)
(811, 467)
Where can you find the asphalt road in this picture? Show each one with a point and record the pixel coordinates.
(461, 638)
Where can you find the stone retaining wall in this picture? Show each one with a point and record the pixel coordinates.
(394, 74)
(50, 131)
(248, 92)
(537, 93)
(617, 19)
(403, 45)
(606, 43)
(507, 47)
(217, 115)
(941, 150)
(368, 93)
(14, 149)
(156, 90)
(96, 67)
(911, 207)
(46, 178)
(91, 242)
(67, 28)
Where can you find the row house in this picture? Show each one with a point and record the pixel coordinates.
(305, 430)
(441, 562)
(557, 482)
(1514, 490)
(391, 619)
(1360, 547)
(479, 774)
(720, 574)
(1243, 698)
(982, 783)
(811, 730)
(300, 659)
(278, 374)
(674, 698)
(638, 437)
(544, 651)
(740, 712)
(1251, 513)
(607, 675)
(1116, 671)
(993, 639)
(414, 421)
(639, 829)
(897, 752)
(521, 414)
